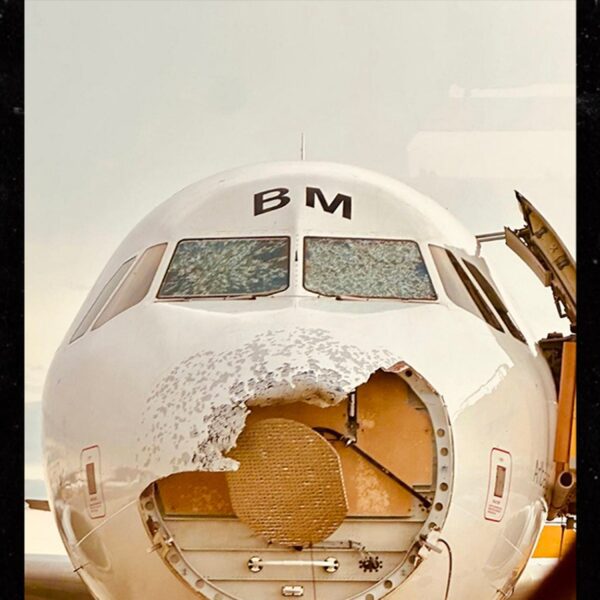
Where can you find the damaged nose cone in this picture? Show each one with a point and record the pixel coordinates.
(196, 411)
(289, 488)
(329, 500)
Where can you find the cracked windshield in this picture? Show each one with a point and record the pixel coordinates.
(366, 269)
(227, 267)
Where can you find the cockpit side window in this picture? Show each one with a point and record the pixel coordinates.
(495, 300)
(227, 267)
(366, 268)
(466, 295)
(135, 286)
(103, 296)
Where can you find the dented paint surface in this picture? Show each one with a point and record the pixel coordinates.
(196, 412)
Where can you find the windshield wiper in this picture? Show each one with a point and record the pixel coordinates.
(240, 297)
(190, 298)
(342, 297)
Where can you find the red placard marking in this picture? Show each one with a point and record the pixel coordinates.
(498, 484)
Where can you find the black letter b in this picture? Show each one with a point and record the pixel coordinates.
(260, 200)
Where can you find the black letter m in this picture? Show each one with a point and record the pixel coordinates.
(346, 201)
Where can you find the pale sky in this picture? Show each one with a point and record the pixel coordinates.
(127, 102)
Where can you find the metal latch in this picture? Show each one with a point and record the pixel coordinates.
(160, 542)
(292, 590)
(428, 543)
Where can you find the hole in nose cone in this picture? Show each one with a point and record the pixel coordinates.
(315, 483)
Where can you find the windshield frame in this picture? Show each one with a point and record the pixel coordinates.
(435, 297)
(245, 296)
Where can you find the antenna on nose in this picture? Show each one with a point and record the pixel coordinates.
(302, 146)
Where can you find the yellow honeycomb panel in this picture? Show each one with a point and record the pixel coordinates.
(196, 493)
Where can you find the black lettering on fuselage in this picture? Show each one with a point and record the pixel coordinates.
(345, 201)
(278, 198)
(267, 196)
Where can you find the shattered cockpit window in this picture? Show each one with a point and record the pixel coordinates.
(366, 268)
(227, 267)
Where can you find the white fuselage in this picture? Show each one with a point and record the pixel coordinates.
(135, 388)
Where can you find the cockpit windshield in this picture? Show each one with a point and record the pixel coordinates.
(366, 268)
(227, 268)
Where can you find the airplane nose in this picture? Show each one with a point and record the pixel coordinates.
(330, 480)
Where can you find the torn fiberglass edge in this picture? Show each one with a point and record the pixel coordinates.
(197, 410)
